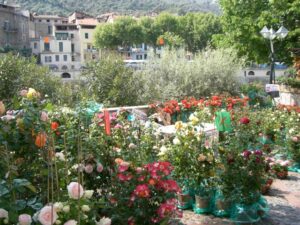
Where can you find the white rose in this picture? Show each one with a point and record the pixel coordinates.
(70, 222)
(176, 141)
(162, 151)
(88, 194)
(60, 156)
(104, 221)
(85, 208)
(25, 219)
(66, 208)
(3, 213)
(58, 206)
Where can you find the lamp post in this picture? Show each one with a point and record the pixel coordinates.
(271, 35)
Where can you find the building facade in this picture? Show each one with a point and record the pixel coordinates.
(14, 28)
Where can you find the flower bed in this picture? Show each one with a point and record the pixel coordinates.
(61, 166)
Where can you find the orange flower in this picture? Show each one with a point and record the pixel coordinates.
(118, 161)
(41, 139)
(152, 182)
(54, 125)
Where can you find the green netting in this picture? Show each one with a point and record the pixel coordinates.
(220, 207)
(265, 140)
(185, 200)
(202, 204)
(295, 168)
(245, 214)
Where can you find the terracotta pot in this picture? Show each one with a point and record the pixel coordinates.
(184, 199)
(222, 205)
(202, 202)
(282, 175)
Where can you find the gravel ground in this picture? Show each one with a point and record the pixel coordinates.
(284, 203)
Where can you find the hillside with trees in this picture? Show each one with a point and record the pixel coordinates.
(96, 7)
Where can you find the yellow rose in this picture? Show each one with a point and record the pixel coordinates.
(32, 93)
(178, 125)
(2, 108)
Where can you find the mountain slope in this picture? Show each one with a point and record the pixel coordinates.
(96, 7)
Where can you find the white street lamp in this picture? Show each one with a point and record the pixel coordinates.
(271, 35)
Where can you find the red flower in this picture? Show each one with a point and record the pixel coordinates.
(142, 191)
(54, 126)
(244, 120)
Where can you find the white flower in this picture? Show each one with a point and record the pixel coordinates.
(291, 131)
(58, 222)
(132, 146)
(58, 206)
(88, 193)
(85, 208)
(176, 141)
(104, 221)
(60, 156)
(66, 208)
(47, 216)
(70, 222)
(162, 151)
(3, 213)
(75, 190)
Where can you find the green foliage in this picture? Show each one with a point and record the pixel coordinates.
(110, 82)
(17, 73)
(193, 31)
(173, 76)
(243, 20)
(197, 29)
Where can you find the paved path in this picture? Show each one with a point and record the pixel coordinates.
(283, 199)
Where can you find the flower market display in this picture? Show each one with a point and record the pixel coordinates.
(86, 165)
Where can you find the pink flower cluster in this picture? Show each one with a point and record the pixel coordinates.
(159, 169)
(167, 209)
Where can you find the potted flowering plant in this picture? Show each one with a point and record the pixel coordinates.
(142, 195)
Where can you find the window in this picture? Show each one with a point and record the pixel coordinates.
(66, 75)
(48, 59)
(73, 58)
(49, 29)
(73, 67)
(40, 21)
(57, 58)
(145, 47)
(48, 21)
(145, 56)
(72, 47)
(55, 21)
(88, 46)
(72, 35)
(251, 73)
(86, 35)
(61, 46)
(65, 58)
(47, 46)
(128, 54)
(139, 57)
(35, 45)
(64, 67)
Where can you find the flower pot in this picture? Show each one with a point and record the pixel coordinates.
(202, 204)
(222, 205)
(184, 201)
(282, 174)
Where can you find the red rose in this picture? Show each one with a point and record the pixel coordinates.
(244, 120)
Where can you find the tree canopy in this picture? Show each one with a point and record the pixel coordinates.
(242, 21)
(193, 31)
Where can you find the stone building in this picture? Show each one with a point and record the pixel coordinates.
(14, 28)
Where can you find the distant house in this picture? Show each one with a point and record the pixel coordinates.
(14, 28)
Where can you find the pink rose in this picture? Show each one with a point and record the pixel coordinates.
(99, 167)
(70, 222)
(295, 139)
(89, 168)
(25, 219)
(75, 190)
(118, 126)
(44, 117)
(139, 170)
(47, 215)
(124, 166)
(23, 93)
